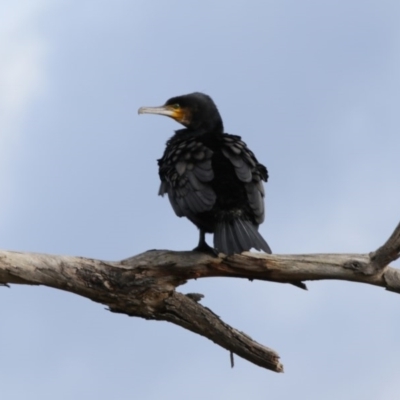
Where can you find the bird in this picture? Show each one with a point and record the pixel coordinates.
(211, 177)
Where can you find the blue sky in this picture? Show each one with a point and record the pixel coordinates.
(313, 87)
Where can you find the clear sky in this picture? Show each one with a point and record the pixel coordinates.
(313, 87)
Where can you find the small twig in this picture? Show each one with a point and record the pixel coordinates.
(195, 296)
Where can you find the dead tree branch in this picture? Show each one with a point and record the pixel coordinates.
(144, 285)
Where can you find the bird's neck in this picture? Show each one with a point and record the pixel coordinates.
(195, 133)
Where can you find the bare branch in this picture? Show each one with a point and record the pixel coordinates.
(141, 286)
(144, 285)
(389, 252)
(183, 311)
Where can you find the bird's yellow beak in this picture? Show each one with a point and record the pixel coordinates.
(174, 111)
(169, 111)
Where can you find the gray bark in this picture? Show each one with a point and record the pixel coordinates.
(145, 285)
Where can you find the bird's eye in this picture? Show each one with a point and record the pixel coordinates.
(176, 106)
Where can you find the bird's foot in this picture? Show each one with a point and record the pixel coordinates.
(205, 248)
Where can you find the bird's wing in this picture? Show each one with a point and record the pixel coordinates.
(249, 171)
(185, 172)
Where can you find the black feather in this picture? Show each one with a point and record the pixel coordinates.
(239, 235)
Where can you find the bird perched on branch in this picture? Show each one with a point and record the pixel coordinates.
(211, 177)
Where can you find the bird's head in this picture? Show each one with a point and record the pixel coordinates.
(196, 111)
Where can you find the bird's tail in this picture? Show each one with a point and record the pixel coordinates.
(238, 235)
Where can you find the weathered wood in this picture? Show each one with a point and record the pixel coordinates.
(389, 252)
(144, 285)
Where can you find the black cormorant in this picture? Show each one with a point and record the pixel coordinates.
(211, 177)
